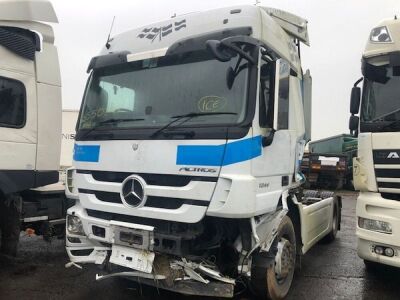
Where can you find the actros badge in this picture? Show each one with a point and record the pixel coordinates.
(200, 170)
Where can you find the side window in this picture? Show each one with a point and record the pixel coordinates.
(266, 112)
(283, 94)
(12, 103)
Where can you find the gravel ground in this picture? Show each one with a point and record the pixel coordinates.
(331, 271)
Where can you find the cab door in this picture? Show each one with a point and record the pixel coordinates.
(18, 113)
(275, 167)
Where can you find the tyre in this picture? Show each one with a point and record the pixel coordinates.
(331, 236)
(272, 274)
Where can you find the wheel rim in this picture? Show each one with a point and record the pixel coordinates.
(284, 260)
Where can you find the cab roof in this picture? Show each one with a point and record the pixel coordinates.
(384, 39)
(276, 28)
(27, 10)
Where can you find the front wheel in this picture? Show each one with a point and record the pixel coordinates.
(272, 278)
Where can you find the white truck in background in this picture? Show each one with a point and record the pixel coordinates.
(376, 169)
(44, 208)
(30, 123)
(188, 148)
(69, 119)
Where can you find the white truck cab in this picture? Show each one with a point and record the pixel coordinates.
(187, 155)
(30, 108)
(377, 166)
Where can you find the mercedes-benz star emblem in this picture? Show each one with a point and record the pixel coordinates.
(133, 191)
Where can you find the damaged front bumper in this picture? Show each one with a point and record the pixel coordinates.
(182, 277)
(140, 263)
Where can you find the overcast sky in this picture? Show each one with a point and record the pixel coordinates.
(338, 31)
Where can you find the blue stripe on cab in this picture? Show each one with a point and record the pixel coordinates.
(86, 153)
(219, 155)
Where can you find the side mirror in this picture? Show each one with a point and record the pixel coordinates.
(353, 123)
(267, 140)
(355, 100)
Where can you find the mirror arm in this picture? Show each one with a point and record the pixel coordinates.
(239, 51)
(267, 140)
(358, 81)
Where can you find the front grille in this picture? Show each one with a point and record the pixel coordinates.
(103, 196)
(391, 196)
(129, 219)
(386, 160)
(172, 203)
(151, 179)
(388, 173)
(386, 157)
(156, 202)
(389, 185)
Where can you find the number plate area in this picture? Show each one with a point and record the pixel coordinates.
(140, 260)
(133, 235)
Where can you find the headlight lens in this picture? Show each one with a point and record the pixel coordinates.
(74, 225)
(375, 225)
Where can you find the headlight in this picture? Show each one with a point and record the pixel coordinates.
(375, 225)
(74, 225)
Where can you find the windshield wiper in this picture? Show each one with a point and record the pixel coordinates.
(109, 121)
(116, 121)
(189, 116)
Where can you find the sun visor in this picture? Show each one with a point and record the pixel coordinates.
(374, 73)
(107, 60)
(292, 24)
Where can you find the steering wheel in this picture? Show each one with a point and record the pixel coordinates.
(122, 110)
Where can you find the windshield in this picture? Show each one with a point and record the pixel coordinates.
(381, 99)
(151, 93)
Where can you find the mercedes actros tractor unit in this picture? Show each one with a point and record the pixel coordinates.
(187, 157)
(377, 167)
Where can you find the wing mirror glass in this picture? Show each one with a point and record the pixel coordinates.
(353, 124)
(355, 100)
